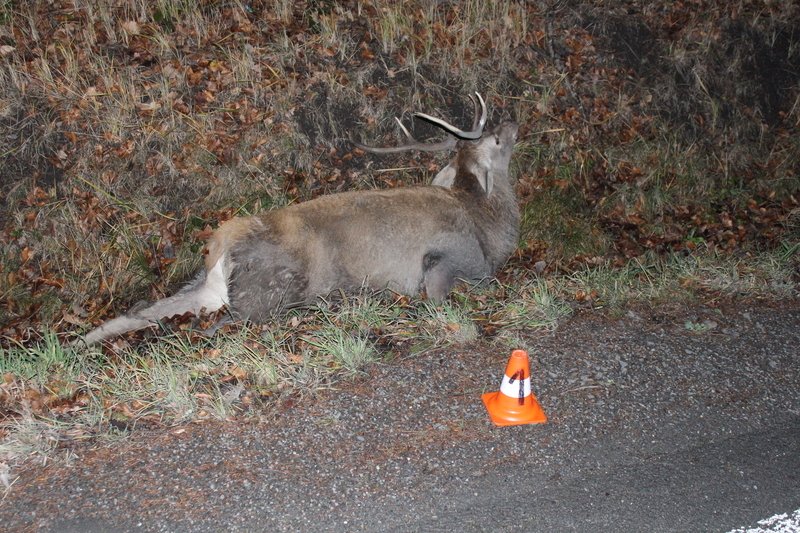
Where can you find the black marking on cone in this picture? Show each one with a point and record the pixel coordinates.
(519, 374)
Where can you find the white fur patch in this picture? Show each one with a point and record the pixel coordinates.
(214, 292)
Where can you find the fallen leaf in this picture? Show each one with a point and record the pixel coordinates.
(131, 27)
(148, 106)
(92, 92)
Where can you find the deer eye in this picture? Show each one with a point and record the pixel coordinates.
(497, 140)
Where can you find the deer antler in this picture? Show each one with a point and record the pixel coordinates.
(478, 124)
(477, 130)
(413, 144)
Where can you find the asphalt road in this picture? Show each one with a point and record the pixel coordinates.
(653, 427)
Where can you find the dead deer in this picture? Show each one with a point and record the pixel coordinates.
(408, 240)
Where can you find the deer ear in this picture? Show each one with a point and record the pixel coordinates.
(445, 177)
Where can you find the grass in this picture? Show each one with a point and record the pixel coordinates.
(564, 220)
(130, 129)
(683, 278)
(62, 393)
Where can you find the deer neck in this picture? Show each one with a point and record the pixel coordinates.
(496, 217)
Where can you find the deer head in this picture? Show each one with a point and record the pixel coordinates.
(483, 156)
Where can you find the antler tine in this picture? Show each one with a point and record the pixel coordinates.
(477, 130)
(408, 133)
(476, 122)
(414, 144)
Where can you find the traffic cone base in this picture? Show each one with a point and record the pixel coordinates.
(503, 414)
(514, 404)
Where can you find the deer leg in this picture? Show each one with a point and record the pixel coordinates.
(437, 278)
(438, 282)
(458, 260)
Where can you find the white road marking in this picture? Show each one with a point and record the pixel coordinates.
(780, 523)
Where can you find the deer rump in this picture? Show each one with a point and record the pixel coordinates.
(408, 240)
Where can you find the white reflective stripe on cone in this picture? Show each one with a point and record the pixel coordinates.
(512, 389)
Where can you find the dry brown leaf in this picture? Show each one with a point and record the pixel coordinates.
(237, 372)
(131, 27)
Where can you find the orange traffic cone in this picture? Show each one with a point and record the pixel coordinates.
(514, 404)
